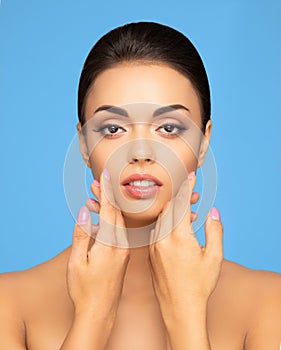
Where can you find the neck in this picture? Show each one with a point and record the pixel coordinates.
(138, 275)
(138, 232)
(137, 281)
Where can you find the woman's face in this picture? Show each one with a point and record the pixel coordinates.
(148, 153)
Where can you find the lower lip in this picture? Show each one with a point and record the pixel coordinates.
(141, 192)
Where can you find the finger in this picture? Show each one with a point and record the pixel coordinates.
(214, 234)
(194, 197)
(120, 231)
(182, 207)
(107, 213)
(155, 233)
(93, 205)
(95, 188)
(95, 228)
(193, 216)
(152, 237)
(94, 232)
(192, 182)
(81, 236)
(165, 224)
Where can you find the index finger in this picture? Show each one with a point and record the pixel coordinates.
(107, 214)
(182, 206)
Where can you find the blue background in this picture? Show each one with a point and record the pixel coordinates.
(43, 47)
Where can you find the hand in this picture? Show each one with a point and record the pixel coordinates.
(95, 271)
(94, 205)
(183, 272)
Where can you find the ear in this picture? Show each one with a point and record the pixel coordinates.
(204, 143)
(83, 145)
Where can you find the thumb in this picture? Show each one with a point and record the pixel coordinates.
(214, 233)
(81, 235)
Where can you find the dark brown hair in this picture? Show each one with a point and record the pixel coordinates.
(146, 42)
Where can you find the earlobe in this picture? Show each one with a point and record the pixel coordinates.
(83, 145)
(203, 150)
(204, 143)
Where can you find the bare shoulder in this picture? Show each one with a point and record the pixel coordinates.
(16, 288)
(18, 281)
(234, 270)
(256, 286)
(258, 292)
(12, 327)
(27, 294)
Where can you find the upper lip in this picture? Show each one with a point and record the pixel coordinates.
(136, 177)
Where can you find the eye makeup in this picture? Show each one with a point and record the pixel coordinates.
(171, 125)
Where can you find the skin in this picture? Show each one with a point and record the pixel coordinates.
(92, 294)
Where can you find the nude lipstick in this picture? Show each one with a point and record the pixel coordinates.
(141, 186)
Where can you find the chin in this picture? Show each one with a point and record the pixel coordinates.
(140, 219)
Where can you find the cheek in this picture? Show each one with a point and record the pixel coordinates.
(97, 162)
(189, 159)
(187, 156)
(101, 154)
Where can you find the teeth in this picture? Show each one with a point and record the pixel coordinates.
(142, 183)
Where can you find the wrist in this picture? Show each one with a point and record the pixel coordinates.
(94, 315)
(187, 328)
(188, 317)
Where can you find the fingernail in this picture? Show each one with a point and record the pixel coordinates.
(96, 183)
(215, 214)
(191, 175)
(90, 199)
(83, 215)
(106, 174)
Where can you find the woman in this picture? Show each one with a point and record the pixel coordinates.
(144, 129)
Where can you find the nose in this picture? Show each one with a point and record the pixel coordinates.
(141, 150)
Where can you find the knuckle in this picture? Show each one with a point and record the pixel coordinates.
(218, 226)
(160, 245)
(79, 233)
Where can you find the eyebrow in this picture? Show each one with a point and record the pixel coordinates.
(157, 111)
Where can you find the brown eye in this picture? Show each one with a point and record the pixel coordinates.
(171, 129)
(110, 130)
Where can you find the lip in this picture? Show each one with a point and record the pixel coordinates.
(140, 192)
(136, 177)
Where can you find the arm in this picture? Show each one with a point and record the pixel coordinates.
(88, 332)
(95, 276)
(189, 332)
(265, 326)
(184, 274)
(12, 330)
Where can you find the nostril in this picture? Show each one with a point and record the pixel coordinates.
(135, 160)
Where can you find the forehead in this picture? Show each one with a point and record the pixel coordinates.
(131, 83)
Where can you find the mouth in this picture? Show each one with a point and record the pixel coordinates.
(141, 186)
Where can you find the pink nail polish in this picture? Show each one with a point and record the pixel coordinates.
(90, 199)
(96, 183)
(191, 174)
(83, 215)
(215, 214)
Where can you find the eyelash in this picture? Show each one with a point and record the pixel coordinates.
(180, 128)
(103, 128)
